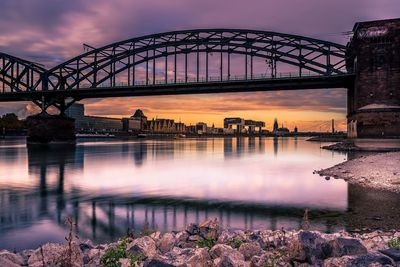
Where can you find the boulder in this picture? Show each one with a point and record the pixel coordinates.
(6, 255)
(199, 258)
(392, 253)
(156, 263)
(347, 247)
(371, 259)
(270, 258)
(309, 247)
(167, 242)
(250, 249)
(193, 229)
(225, 255)
(53, 254)
(209, 228)
(86, 245)
(182, 236)
(145, 246)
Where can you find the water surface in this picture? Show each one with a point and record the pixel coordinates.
(108, 187)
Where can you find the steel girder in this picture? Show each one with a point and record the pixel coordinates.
(19, 75)
(101, 65)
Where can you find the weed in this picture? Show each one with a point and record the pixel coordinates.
(112, 255)
(306, 222)
(394, 243)
(146, 231)
(67, 258)
(273, 260)
(206, 242)
(134, 259)
(235, 242)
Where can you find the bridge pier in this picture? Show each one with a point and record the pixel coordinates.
(50, 129)
(374, 100)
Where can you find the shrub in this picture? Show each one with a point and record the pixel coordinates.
(206, 242)
(394, 243)
(235, 242)
(112, 255)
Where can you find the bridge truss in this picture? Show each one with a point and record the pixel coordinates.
(179, 62)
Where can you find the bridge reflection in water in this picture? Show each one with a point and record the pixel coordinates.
(105, 213)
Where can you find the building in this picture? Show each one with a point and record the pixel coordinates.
(137, 122)
(92, 123)
(165, 126)
(242, 125)
(276, 126)
(201, 128)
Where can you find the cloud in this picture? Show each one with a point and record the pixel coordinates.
(51, 31)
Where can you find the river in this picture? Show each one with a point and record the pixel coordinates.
(108, 187)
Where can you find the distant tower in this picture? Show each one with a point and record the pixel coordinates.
(275, 125)
(333, 126)
(295, 129)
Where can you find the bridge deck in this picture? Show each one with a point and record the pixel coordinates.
(196, 87)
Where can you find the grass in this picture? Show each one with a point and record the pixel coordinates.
(112, 255)
(235, 242)
(394, 243)
(208, 242)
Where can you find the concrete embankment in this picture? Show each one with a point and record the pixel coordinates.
(208, 245)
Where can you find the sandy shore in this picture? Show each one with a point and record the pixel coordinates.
(378, 171)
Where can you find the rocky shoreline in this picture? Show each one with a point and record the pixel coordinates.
(208, 245)
(379, 171)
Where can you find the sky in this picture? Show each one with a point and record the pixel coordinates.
(51, 31)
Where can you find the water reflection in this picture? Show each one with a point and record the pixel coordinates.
(108, 187)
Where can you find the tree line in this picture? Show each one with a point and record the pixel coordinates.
(11, 121)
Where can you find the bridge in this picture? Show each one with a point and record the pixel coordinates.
(218, 61)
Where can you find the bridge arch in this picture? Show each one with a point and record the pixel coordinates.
(100, 66)
(19, 75)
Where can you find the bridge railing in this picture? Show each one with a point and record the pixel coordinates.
(203, 79)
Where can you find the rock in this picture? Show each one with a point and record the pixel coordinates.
(224, 261)
(52, 254)
(225, 255)
(11, 257)
(209, 228)
(347, 246)
(25, 254)
(6, 262)
(193, 229)
(93, 256)
(227, 236)
(274, 258)
(156, 263)
(392, 253)
(182, 236)
(199, 258)
(156, 235)
(337, 262)
(309, 247)
(250, 249)
(167, 242)
(194, 238)
(376, 259)
(144, 245)
(86, 245)
(125, 262)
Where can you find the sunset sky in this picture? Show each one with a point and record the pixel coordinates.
(51, 31)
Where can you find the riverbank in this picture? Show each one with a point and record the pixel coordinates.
(378, 171)
(208, 245)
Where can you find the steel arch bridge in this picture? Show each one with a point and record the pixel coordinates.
(180, 62)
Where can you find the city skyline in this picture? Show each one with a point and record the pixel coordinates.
(36, 36)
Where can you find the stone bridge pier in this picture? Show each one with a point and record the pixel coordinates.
(374, 100)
